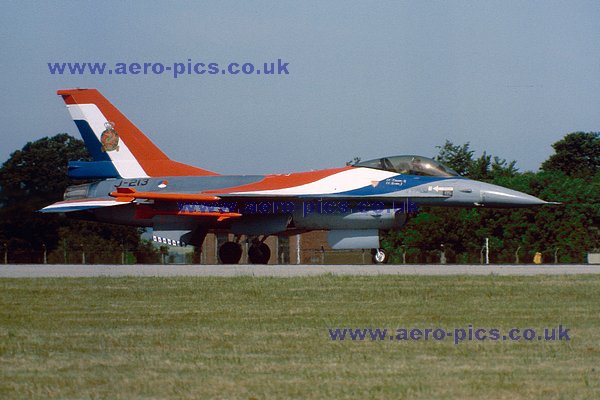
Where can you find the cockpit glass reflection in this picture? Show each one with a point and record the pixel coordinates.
(410, 165)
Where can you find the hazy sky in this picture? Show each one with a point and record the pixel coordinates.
(365, 79)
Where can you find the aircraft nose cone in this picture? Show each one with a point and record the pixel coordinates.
(497, 196)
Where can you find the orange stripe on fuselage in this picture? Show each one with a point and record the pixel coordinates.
(274, 182)
(150, 157)
(129, 194)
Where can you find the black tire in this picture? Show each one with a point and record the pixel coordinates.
(230, 253)
(259, 254)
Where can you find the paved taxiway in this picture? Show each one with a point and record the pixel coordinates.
(55, 271)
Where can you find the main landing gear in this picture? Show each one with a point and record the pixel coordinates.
(230, 252)
(258, 253)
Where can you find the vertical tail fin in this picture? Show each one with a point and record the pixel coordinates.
(117, 143)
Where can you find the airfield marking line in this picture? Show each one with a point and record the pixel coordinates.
(51, 271)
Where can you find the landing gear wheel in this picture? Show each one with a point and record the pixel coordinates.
(259, 253)
(380, 256)
(230, 253)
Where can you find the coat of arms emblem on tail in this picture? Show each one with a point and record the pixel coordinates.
(109, 138)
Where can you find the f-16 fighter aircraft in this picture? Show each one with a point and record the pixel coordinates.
(137, 184)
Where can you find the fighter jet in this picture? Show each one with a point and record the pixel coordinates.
(136, 184)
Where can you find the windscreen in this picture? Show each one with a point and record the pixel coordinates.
(409, 165)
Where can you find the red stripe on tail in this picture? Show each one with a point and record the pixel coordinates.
(150, 157)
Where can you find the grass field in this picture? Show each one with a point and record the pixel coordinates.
(268, 337)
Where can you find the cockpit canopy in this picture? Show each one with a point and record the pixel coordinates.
(409, 165)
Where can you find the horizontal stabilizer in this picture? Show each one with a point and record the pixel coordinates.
(79, 205)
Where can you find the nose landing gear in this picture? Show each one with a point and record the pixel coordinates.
(380, 256)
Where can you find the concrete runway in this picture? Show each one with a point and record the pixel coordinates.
(73, 271)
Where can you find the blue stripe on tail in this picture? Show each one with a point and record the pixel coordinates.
(91, 141)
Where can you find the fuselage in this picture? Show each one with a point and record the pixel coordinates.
(353, 197)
